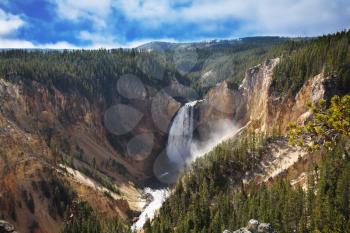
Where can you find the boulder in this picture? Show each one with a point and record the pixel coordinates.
(253, 225)
(6, 227)
(265, 228)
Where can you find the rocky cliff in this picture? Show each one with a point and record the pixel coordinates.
(56, 139)
(256, 104)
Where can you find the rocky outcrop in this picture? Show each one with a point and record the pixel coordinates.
(255, 102)
(293, 109)
(266, 108)
(255, 106)
(6, 227)
(255, 89)
(254, 226)
(220, 104)
(278, 156)
(247, 103)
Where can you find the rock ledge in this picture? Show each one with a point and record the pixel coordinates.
(254, 226)
(6, 227)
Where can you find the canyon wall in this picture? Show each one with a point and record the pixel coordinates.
(46, 133)
(255, 102)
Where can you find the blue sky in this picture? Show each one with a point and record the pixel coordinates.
(128, 23)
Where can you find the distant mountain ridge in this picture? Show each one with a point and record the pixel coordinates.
(166, 46)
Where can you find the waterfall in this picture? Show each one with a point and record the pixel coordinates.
(180, 136)
(180, 151)
(170, 164)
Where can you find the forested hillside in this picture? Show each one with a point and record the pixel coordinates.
(207, 63)
(84, 219)
(200, 64)
(210, 196)
(93, 73)
(304, 59)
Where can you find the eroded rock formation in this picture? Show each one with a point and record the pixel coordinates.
(256, 103)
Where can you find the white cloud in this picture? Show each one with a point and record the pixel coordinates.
(286, 17)
(99, 40)
(15, 43)
(9, 23)
(137, 43)
(93, 10)
(151, 11)
(108, 41)
(96, 37)
(57, 45)
(24, 44)
(293, 17)
(264, 17)
(299, 18)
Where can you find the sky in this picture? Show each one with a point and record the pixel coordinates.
(95, 24)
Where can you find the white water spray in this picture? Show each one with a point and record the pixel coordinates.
(180, 137)
(158, 197)
(220, 131)
(181, 150)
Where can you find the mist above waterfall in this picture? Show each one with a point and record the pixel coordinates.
(182, 149)
(219, 131)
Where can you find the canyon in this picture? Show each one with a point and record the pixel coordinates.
(224, 113)
(119, 152)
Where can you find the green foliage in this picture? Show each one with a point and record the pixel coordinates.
(201, 199)
(326, 126)
(85, 220)
(230, 60)
(91, 72)
(115, 166)
(99, 177)
(61, 196)
(200, 203)
(94, 73)
(58, 192)
(301, 60)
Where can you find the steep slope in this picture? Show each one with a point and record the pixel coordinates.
(255, 104)
(34, 142)
(257, 174)
(61, 144)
